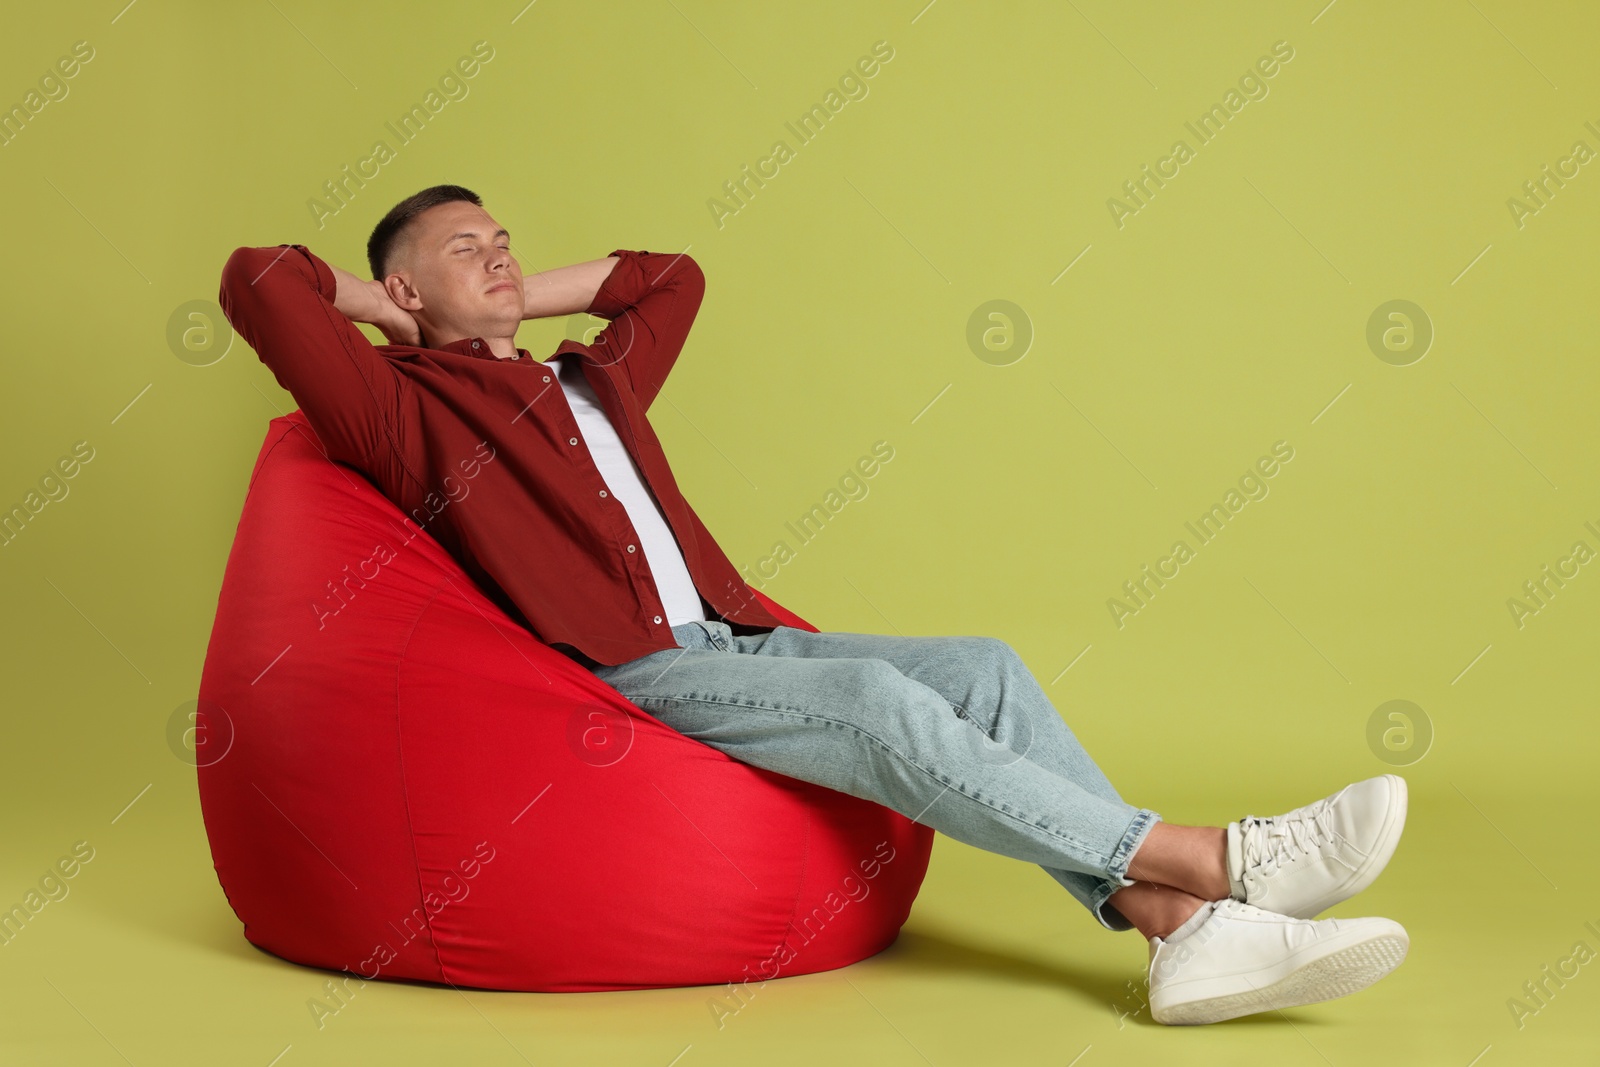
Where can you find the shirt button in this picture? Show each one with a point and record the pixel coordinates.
(474, 344)
(547, 377)
(602, 492)
(658, 618)
(572, 440)
(630, 548)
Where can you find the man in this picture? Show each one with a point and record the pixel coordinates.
(579, 530)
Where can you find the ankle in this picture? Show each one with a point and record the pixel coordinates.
(1192, 859)
(1156, 910)
(1212, 882)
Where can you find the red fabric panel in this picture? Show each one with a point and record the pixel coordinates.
(399, 781)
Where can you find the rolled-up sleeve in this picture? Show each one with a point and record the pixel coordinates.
(651, 299)
(280, 300)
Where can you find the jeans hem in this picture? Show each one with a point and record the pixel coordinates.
(1117, 869)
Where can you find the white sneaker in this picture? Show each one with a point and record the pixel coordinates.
(1243, 960)
(1302, 863)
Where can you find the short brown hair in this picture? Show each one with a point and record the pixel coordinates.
(381, 244)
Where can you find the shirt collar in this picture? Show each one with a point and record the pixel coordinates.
(478, 347)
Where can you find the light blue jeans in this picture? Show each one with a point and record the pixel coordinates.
(951, 732)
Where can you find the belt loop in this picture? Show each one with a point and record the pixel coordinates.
(718, 641)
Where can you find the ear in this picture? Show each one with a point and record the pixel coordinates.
(401, 291)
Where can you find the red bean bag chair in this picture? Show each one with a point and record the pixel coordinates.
(400, 781)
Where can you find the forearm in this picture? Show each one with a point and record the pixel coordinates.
(564, 290)
(358, 300)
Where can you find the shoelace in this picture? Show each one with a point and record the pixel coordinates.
(1272, 841)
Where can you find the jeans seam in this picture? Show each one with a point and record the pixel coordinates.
(1073, 842)
(1122, 855)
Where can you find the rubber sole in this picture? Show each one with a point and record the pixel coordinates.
(1338, 974)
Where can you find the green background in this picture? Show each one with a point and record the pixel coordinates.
(1229, 313)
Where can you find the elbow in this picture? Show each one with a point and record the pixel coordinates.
(252, 274)
(241, 258)
(240, 271)
(687, 276)
(236, 275)
(248, 263)
(254, 283)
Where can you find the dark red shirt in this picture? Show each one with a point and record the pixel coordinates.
(485, 455)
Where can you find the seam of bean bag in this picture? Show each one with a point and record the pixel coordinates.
(405, 790)
(800, 887)
(261, 460)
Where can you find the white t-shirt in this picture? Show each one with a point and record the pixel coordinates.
(621, 475)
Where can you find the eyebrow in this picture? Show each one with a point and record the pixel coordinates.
(474, 234)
